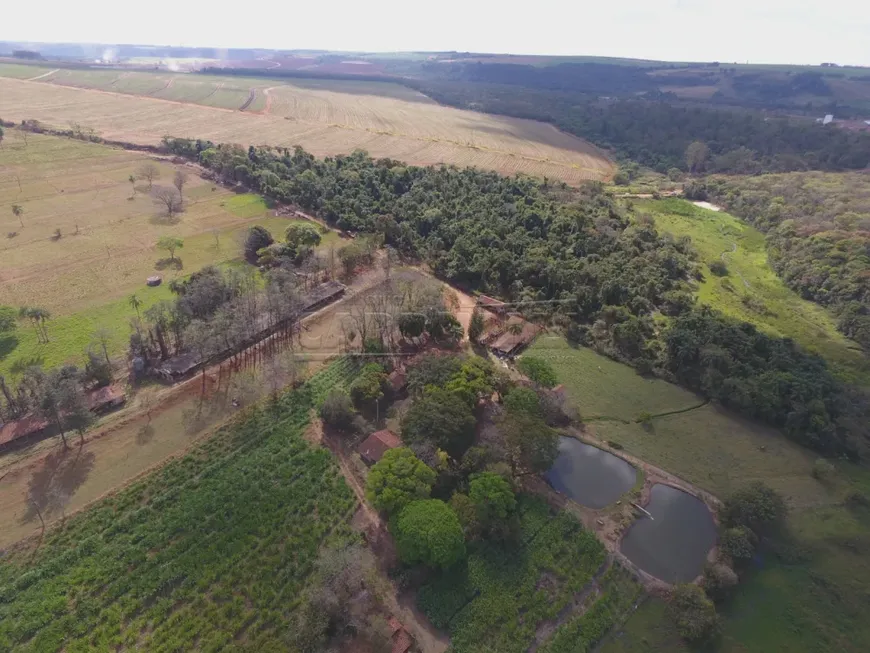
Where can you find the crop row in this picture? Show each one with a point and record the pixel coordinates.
(216, 546)
(619, 591)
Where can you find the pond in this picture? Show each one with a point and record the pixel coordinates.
(674, 544)
(590, 476)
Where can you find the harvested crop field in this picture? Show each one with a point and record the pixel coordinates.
(325, 117)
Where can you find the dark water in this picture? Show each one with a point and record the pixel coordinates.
(672, 546)
(592, 477)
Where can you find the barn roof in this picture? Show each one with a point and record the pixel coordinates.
(508, 343)
(490, 302)
(110, 395)
(20, 428)
(377, 444)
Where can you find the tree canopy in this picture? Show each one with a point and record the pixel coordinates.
(397, 479)
(429, 532)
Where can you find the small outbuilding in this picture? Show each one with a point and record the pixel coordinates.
(517, 335)
(491, 304)
(377, 444)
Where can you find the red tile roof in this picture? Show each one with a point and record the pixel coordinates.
(20, 428)
(490, 302)
(377, 444)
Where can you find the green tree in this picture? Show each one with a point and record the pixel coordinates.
(368, 387)
(8, 319)
(523, 401)
(337, 410)
(696, 156)
(531, 445)
(258, 238)
(739, 543)
(756, 507)
(135, 304)
(38, 317)
(429, 532)
(493, 499)
(170, 244)
(397, 479)
(719, 580)
(694, 614)
(538, 370)
(476, 325)
(441, 419)
(301, 235)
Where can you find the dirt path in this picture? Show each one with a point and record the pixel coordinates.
(50, 72)
(268, 94)
(722, 256)
(251, 95)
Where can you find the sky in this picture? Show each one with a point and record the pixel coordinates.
(758, 31)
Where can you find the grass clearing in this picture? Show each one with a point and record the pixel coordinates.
(602, 388)
(752, 291)
(179, 560)
(326, 117)
(107, 248)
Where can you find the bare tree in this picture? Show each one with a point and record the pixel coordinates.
(169, 198)
(103, 337)
(149, 172)
(18, 211)
(180, 181)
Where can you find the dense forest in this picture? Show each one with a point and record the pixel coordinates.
(572, 256)
(656, 133)
(818, 234)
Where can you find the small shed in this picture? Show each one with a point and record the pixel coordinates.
(106, 398)
(20, 428)
(400, 639)
(828, 119)
(377, 444)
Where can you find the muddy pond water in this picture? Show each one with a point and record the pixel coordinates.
(674, 544)
(590, 476)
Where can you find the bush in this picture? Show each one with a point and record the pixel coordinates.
(337, 410)
(719, 268)
(429, 532)
(523, 400)
(694, 614)
(719, 580)
(738, 543)
(756, 507)
(538, 370)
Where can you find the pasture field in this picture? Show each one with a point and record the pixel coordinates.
(601, 388)
(210, 551)
(808, 593)
(506, 599)
(107, 245)
(326, 117)
(752, 291)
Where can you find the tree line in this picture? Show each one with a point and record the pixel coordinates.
(573, 257)
(655, 132)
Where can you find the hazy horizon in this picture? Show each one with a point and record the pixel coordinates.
(772, 32)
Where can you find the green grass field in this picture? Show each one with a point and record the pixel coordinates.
(602, 388)
(814, 598)
(213, 549)
(752, 291)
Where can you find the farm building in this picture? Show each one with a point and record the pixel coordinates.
(106, 398)
(399, 637)
(517, 334)
(19, 429)
(491, 304)
(322, 295)
(377, 444)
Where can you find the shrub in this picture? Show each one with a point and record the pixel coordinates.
(719, 268)
(368, 387)
(538, 370)
(258, 237)
(823, 470)
(429, 532)
(337, 410)
(738, 543)
(719, 580)
(757, 507)
(523, 400)
(694, 614)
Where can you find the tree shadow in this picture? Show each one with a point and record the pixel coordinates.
(7, 345)
(22, 364)
(145, 434)
(164, 219)
(169, 264)
(61, 474)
